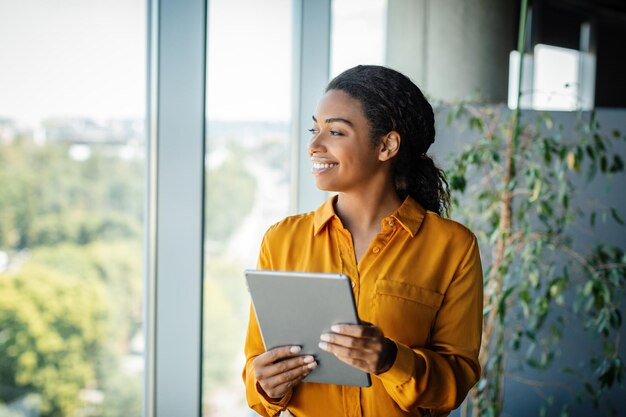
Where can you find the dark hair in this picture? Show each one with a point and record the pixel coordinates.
(392, 102)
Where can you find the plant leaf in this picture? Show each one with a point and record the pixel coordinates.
(536, 191)
(571, 160)
(616, 216)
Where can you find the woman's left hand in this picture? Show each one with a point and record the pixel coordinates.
(362, 346)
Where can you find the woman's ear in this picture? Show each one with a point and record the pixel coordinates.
(390, 145)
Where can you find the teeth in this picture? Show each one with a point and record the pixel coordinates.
(323, 166)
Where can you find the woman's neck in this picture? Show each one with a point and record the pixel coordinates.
(363, 212)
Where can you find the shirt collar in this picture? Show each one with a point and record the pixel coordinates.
(410, 215)
(323, 214)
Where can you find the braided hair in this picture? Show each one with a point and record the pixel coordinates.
(392, 102)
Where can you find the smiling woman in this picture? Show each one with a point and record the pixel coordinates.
(416, 276)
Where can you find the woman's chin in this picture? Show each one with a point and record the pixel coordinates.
(322, 186)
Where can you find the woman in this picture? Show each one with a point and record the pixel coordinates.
(416, 276)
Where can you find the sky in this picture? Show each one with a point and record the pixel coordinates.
(87, 58)
(249, 60)
(72, 58)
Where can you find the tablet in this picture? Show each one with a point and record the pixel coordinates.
(295, 308)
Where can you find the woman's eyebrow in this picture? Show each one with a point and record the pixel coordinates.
(335, 119)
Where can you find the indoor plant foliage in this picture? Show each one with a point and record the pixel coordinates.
(520, 177)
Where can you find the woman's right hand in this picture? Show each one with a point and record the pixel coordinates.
(276, 375)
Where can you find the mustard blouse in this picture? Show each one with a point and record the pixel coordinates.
(420, 281)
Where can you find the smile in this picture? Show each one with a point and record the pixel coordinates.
(323, 166)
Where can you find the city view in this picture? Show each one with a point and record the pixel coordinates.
(71, 285)
(72, 226)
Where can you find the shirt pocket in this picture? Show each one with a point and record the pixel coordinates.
(405, 312)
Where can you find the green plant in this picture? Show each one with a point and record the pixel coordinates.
(522, 174)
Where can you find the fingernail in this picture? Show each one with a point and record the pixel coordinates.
(323, 345)
(312, 365)
(325, 337)
(294, 349)
(308, 359)
(335, 328)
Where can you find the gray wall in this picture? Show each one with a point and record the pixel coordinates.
(453, 48)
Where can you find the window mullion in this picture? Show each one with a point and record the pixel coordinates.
(311, 72)
(176, 198)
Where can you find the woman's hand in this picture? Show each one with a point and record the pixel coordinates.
(276, 376)
(362, 346)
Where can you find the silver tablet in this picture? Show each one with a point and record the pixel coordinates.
(295, 308)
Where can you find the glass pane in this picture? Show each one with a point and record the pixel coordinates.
(72, 84)
(358, 34)
(247, 176)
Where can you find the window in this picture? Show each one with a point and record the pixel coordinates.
(71, 207)
(554, 78)
(358, 33)
(247, 176)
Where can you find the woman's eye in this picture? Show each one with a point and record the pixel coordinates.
(315, 131)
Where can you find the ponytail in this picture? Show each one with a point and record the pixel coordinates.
(424, 182)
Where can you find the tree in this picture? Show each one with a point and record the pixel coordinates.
(53, 328)
(64, 199)
(74, 229)
(226, 307)
(113, 265)
(230, 195)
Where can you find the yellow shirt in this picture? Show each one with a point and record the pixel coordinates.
(420, 281)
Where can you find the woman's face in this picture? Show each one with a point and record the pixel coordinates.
(341, 151)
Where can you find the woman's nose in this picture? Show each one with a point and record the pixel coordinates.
(315, 144)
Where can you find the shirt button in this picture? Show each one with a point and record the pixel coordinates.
(353, 284)
(376, 249)
(392, 223)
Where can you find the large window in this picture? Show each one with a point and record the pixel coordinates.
(247, 176)
(72, 85)
(72, 194)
